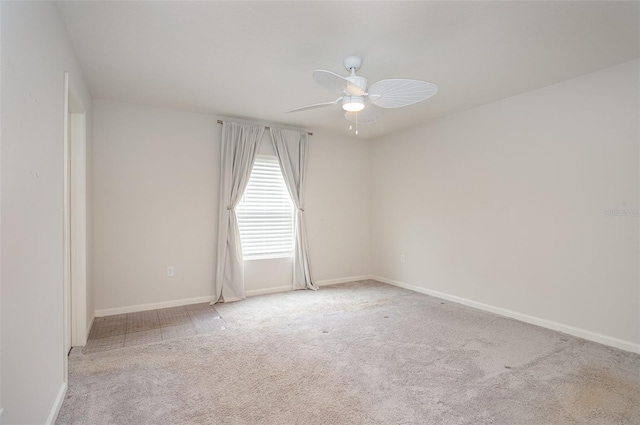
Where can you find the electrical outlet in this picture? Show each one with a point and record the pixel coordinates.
(402, 259)
(170, 271)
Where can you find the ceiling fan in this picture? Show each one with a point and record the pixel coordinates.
(360, 104)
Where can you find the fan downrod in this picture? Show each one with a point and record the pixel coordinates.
(353, 63)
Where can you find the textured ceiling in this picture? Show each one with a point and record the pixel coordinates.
(255, 60)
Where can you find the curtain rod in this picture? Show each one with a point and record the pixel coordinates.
(267, 128)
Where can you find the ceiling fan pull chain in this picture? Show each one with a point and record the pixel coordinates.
(356, 123)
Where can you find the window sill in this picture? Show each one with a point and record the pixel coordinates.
(268, 256)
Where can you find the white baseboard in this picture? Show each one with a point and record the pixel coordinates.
(152, 306)
(88, 327)
(187, 301)
(265, 291)
(328, 282)
(571, 330)
(57, 404)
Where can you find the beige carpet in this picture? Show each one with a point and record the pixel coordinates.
(358, 353)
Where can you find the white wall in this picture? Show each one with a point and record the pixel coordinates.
(337, 207)
(508, 205)
(1, 404)
(36, 52)
(155, 204)
(156, 179)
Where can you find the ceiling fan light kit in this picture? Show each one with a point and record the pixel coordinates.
(362, 105)
(353, 103)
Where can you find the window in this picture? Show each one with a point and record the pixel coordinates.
(265, 213)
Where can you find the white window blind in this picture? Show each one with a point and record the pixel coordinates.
(265, 213)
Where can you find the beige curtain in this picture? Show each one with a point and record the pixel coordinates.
(291, 149)
(239, 147)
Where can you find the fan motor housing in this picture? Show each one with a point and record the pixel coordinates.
(359, 81)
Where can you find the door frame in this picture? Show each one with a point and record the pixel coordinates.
(75, 221)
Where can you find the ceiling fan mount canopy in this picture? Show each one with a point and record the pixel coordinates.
(360, 104)
(352, 63)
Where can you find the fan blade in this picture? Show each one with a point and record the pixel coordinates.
(316, 105)
(333, 81)
(368, 115)
(399, 92)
